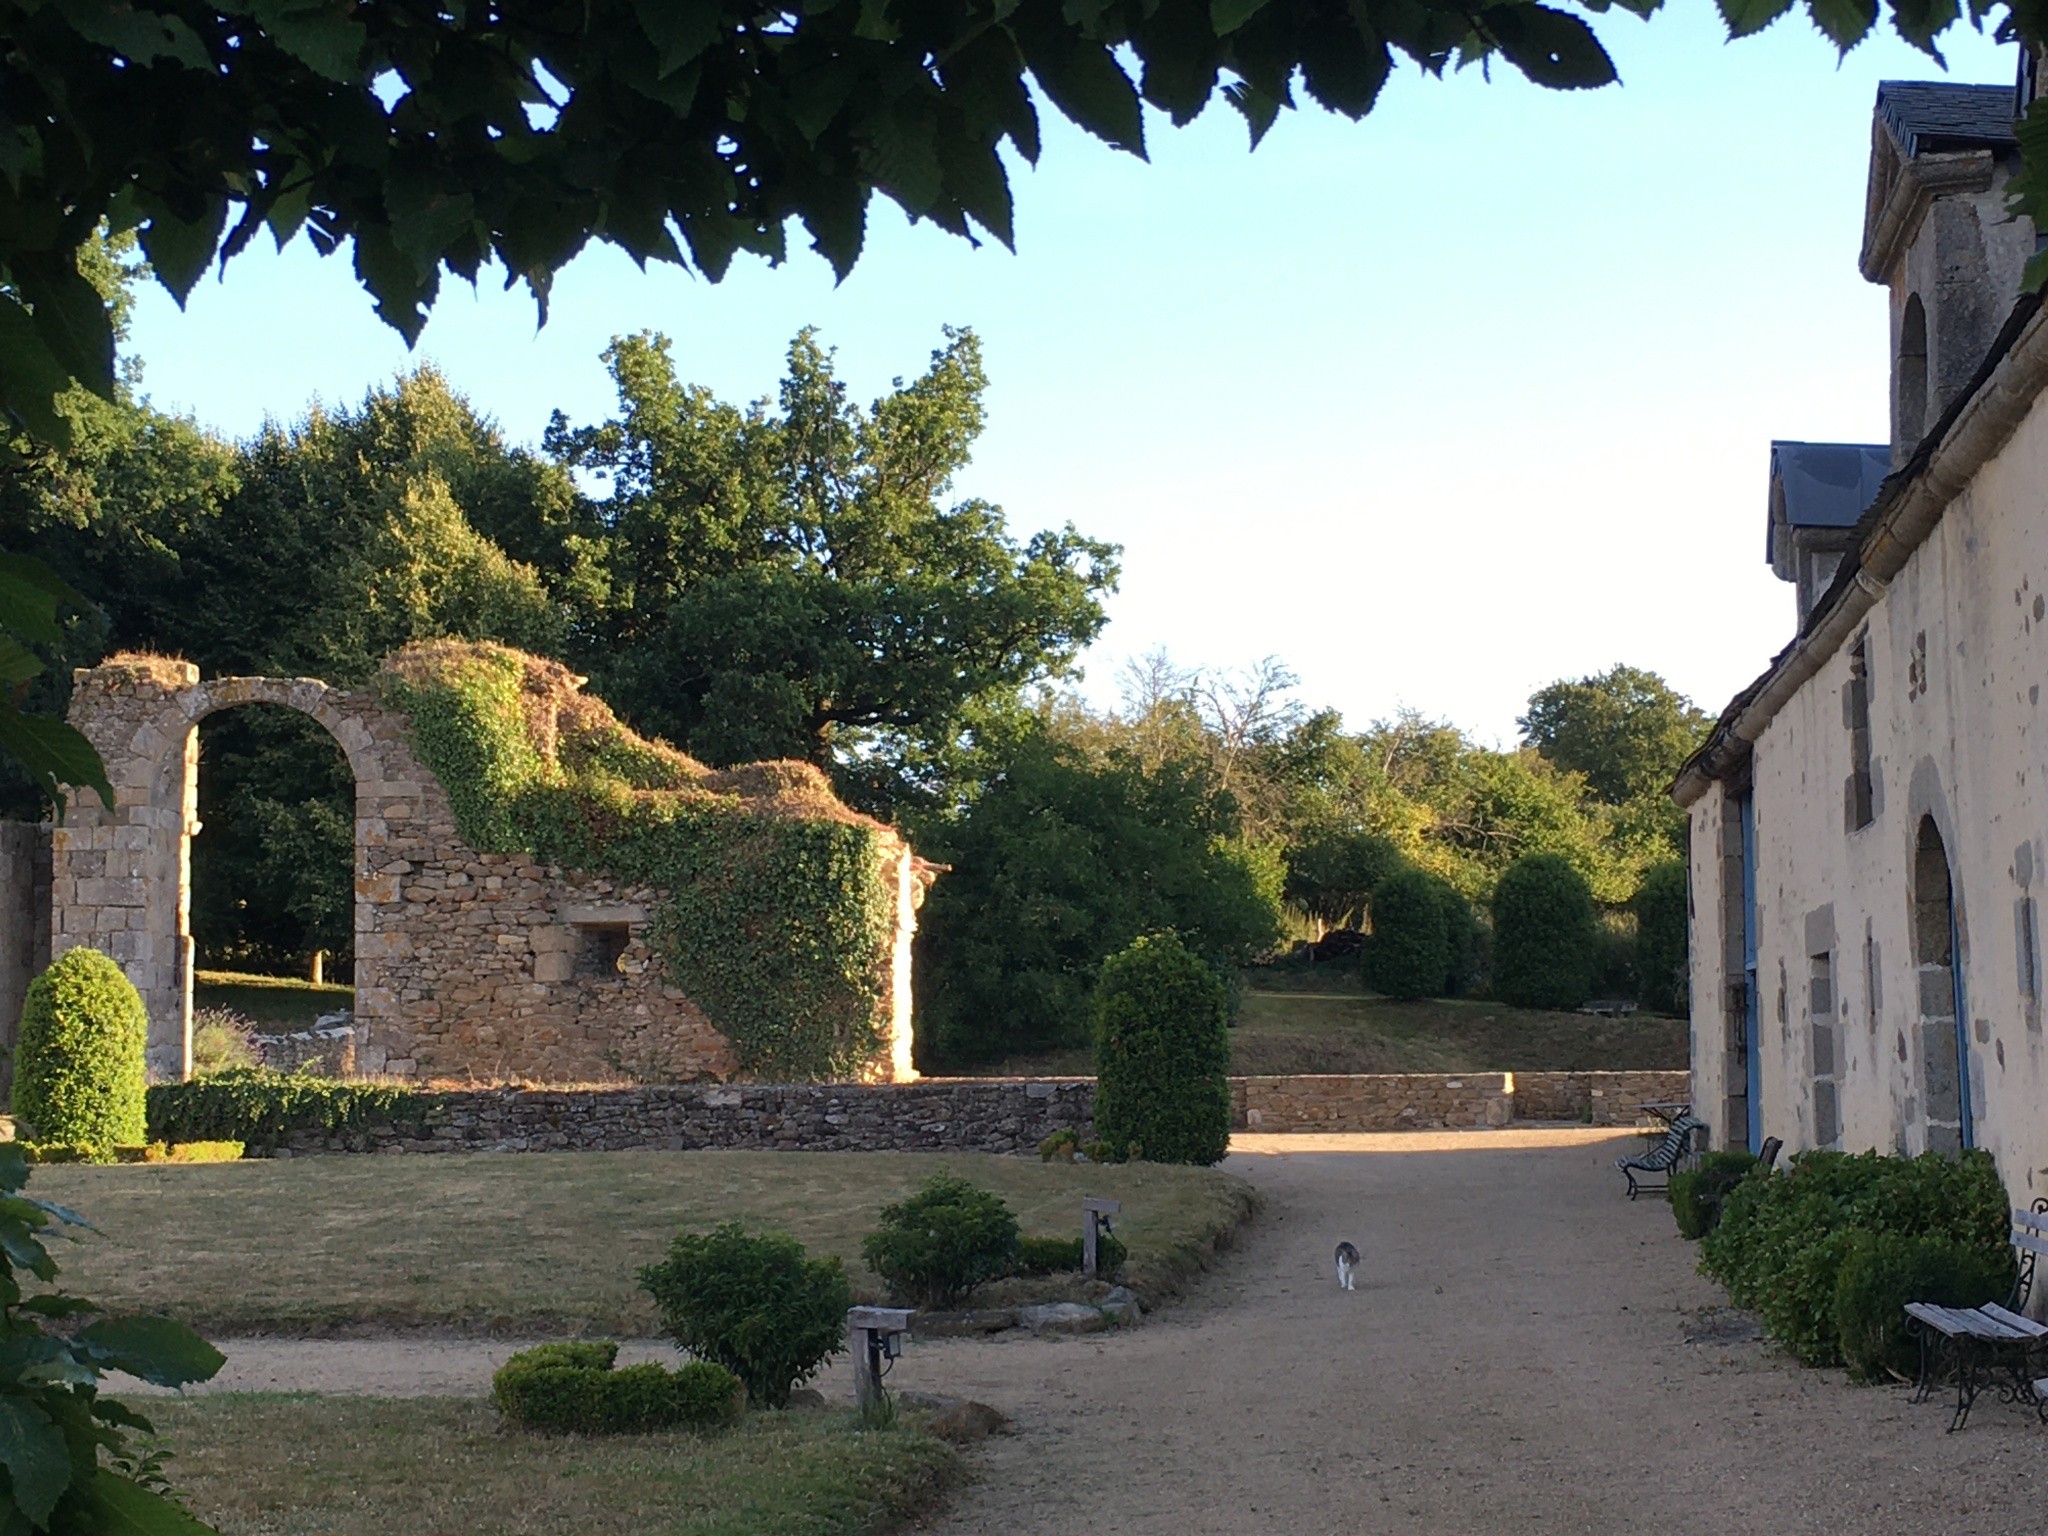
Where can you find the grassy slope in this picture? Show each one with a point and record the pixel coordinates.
(1310, 1023)
(274, 1004)
(341, 1466)
(543, 1242)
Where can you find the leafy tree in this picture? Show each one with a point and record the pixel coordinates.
(1331, 875)
(1410, 952)
(1162, 1054)
(1661, 909)
(1625, 730)
(1059, 863)
(792, 582)
(1545, 938)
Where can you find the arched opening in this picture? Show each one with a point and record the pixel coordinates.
(1943, 1052)
(273, 858)
(1909, 378)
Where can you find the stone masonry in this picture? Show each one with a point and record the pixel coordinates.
(469, 966)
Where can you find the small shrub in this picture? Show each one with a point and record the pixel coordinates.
(573, 1389)
(755, 1303)
(1409, 954)
(1660, 907)
(79, 1071)
(1545, 939)
(1696, 1195)
(1881, 1271)
(1060, 1146)
(1058, 1255)
(937, 1246)
(222, 1040)
(1162, 1055)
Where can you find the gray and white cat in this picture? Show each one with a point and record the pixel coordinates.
(1347, 1267)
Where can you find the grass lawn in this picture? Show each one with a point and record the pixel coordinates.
(544, 1242)
(274, 1004)
(269, 1465)
(1302, 1022)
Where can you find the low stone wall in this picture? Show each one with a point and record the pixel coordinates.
(1596, 1098)
(1377, 1101)
(956, 1114)
(328, 1050)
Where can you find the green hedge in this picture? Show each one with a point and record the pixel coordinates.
(260, 1107)
(571, 1388)
(948, 1237)
(1545, 936)
(778, 922)
(1058, 1255)
(1660, 907)
(1409, 953)
(1782, 1241)
(1697, 1194)
(79, 1059)
(1162, 1055)
(1882, 1271)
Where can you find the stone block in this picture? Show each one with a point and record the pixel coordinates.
(554, 966)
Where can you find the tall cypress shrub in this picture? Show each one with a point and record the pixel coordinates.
(1409, 954)
(79, 1070)
(1461, 939)
(1546, 942)
(1660, 908)
(1162, 1054)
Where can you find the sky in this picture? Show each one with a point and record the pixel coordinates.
(1436, 408)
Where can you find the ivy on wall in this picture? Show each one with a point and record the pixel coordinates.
(780, 912)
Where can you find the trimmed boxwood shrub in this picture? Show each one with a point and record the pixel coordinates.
(754, 1302)
(937, 1246)
(79, 1062)
(1162, 1055)
(1696, 1194)
(261, 1107)
(1461, 939)
(571, 1388)
(1660, 907)
(1409, 954)
(1057, 1255)
(1882, 1271)
(1782, 1240)
(1545, 937)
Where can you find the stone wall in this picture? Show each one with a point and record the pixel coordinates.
(960, 1114)
(1379, 1101)
(1598, 1098)
(24, 926)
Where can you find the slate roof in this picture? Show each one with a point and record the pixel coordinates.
(1926, 116)
(1827, 485)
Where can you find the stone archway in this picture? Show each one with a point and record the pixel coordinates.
(121, 875)
(1943, 1059)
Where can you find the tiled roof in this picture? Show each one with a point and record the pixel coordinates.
(1827, 485)
(1929, 115)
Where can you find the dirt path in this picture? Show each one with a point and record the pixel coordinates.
(1515, 1357)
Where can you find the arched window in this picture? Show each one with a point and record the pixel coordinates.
(1909, 378)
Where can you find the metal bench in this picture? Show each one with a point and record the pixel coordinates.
(1672, 1149)
(1993, 1347)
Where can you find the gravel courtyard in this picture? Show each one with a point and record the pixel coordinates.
(1527, 1351)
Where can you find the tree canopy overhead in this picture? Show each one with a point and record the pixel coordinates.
(445, 138)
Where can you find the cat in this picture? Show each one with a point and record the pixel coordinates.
(1347, 1267)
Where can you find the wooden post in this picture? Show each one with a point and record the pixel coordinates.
(1092, 1213)
(870, 1333)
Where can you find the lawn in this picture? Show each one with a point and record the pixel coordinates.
(274, 1004)
(268, 1465)
(1308, 1023)
(544, 1242)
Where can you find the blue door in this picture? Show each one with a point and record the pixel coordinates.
(1964, 1110)
(1752, 1047)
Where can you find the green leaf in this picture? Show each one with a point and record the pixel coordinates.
(1086, 83)
(426, 217)
(1552, 48)
(33, 1451)
(179, 249)
(53, 754)
(17, 663)
(122, 1508)
(70, 317)
(138, 33)
(679, 31)
(1745, 17)
(29, 594)
(1226, 16)
(1844, 22)
(31, 378)
(158, 1350)
(318, 33)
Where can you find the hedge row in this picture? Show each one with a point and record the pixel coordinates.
(261, 1108)
(572, 1388)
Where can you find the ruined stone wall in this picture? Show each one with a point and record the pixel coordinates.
(469, 966)
(24, 926)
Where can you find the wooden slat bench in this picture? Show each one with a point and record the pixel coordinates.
(1995, 1347)
(1672, 1149)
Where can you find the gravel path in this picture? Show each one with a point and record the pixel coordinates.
(1516, 1355)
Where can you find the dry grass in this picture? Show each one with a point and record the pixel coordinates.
(544, 1242)
(265, 1465)
(164, 671)
(274, 1004)
(1310, 1023)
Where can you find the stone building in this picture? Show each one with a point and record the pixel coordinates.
(484, 966)
(1870, 817)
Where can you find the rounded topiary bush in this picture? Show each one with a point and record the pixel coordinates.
(755, 1303)
(79, 1065)
(1409, 954)
(571, 1388)
(1162, 1054)
(949, 1237)
(1660, 908)
(1461, 939)
(1546, 941)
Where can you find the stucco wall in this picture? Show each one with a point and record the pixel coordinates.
(1957, 651)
